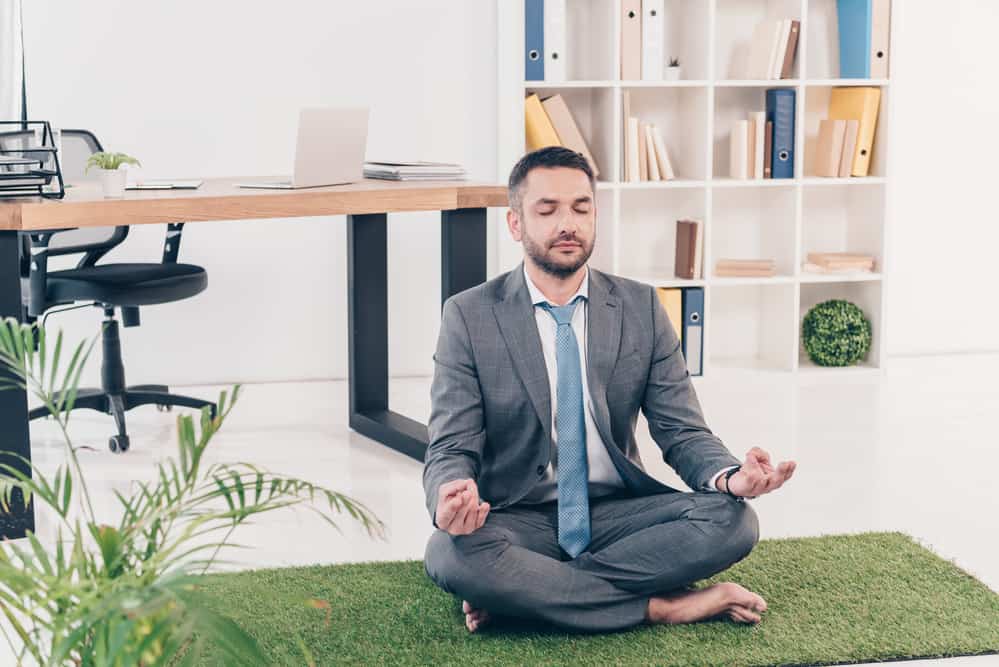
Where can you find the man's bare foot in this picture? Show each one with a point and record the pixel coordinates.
(474, 618)
(726, 598)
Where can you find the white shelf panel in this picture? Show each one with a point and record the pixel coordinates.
(659, 185)
(846, 82)
(851, 180)
(753, 182)
(738, 282)
(666, 281)
(757, 83)
(839, 277)
(808, 367)
(570, 84)
(682, 83)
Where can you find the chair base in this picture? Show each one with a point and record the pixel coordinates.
(117, 404)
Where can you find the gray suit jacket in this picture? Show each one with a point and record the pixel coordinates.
(491, 416)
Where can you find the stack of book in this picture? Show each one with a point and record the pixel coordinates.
(849, 132)
(771, 53)
(549, 122)
(745, 268)
(689, 245)
(838, 262)
(414, 171)
(763, 145)
(645, 154)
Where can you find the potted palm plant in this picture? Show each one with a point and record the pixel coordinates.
(112, 178)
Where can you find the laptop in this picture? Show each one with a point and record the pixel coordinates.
(329, 151)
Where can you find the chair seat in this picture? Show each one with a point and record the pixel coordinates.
(127, 284)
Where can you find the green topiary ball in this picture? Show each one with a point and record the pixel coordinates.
(836, 333)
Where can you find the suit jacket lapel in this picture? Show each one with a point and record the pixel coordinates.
(603, 335)
(515, 317)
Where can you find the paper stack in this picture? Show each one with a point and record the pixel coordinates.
(745, 268)
(414, 171)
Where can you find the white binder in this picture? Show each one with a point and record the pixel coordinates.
(555, 28)
(653, 38)
(880, 28)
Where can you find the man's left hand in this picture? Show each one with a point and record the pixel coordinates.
(757, 476)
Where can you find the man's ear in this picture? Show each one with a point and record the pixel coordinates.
(513, 223)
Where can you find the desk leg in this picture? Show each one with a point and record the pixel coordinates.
(463, 250)
(463, 265)
(14, 437)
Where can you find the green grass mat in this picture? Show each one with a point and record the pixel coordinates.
(832, 600)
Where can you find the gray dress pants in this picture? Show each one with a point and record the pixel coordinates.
(639, 547)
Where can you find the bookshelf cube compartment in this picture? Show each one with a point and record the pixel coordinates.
(843, 218)
(593, 111)
(647, 230)
(686, 37)
(733, 104)
(823, 40)
(681, 116)
(817, 109)
(735, 23)
(753, 223)
(751, 326)
(590, 40)
(866, 295)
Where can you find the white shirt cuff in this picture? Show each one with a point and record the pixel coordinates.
(714, 479)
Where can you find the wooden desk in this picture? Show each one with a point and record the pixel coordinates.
(366, 205)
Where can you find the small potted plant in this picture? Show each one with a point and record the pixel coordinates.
(112, 178)
(672, 72)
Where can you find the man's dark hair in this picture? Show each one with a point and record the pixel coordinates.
(551, 156)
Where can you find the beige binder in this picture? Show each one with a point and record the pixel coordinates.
(650, 157)
(758, 140)
(631, 40)
(567, 130)
(880, 36)
(626, 115)
(643, 153)
(738, 156)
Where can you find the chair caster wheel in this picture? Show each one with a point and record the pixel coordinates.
(161, 407)
(118, 443)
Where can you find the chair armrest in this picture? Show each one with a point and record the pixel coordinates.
(171, 246)
(38, 261)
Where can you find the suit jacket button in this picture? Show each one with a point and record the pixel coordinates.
(541, 471)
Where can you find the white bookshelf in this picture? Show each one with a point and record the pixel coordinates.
(750, 323)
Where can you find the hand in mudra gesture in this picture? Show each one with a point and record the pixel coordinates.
(757, 476)
(459, 510)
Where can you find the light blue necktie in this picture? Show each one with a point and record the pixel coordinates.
(570, 429)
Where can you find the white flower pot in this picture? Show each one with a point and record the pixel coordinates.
(672, 73)
(113, 183)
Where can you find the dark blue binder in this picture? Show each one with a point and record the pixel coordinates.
(780, 112)
(693, 329)
(854, 23)
(534, 40)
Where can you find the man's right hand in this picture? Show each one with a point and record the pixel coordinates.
(459, 511)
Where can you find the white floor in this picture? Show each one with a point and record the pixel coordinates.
(914, 449)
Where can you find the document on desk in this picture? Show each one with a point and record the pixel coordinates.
(165, 184)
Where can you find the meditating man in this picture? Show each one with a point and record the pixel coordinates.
(533, 476)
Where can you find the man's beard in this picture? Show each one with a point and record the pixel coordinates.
(540, 257)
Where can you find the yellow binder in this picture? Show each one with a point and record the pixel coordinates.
(861, 104)
(539, 129)
(672, 300)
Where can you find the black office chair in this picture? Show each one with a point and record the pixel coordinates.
(106, 286)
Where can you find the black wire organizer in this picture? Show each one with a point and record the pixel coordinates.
(29, 167)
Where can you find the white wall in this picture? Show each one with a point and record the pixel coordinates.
(944, 231)
(212, 89)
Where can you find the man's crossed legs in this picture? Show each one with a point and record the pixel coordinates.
(642, 555)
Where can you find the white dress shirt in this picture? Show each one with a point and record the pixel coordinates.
(604, 478)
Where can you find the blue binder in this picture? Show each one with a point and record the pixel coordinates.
(534, 40)
(854, 18)
(780, 112)
(693, 329)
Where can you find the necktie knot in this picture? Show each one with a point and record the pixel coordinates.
(562, 314)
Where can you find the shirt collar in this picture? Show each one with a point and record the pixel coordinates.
(537, 297)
